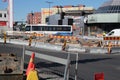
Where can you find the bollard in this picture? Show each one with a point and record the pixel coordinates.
(30, 40)
(4, 37)
(64, 45)
(109, 47)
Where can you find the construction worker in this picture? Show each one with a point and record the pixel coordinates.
(104, 33)
(64, 45)
(30, 40)
(109, 47)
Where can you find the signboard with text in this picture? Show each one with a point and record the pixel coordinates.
(3, 23)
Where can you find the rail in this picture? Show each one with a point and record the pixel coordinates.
(65, 62)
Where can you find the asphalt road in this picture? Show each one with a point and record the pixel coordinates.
(88, 64)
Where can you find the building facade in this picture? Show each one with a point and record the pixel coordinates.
(34, 18)
(106, 17)
(3, 20)
(70, 10)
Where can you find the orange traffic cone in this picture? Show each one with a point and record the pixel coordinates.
(31, 65)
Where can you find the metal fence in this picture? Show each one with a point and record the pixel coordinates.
(65, 62)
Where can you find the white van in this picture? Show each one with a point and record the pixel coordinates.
(114, 32)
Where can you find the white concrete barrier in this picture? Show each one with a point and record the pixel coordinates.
(99, 50)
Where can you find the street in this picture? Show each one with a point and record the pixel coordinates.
(88, 64)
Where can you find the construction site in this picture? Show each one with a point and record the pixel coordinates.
(74, 48)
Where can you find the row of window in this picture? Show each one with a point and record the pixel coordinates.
(109, 9)
(3, 15)
(42, 28)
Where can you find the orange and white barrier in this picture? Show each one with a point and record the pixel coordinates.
(111, 38)
(39, 35)
(35, 34)
(115, 40)
(63, 37)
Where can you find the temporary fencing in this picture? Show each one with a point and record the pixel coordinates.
(63, 37)
(115, 41)
(40, 37)
(62, 61)
(37, 35)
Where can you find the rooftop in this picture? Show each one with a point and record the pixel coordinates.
(110, 6)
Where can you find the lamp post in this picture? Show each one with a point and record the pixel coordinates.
(31, 17)
(10, 15)
(49, 10)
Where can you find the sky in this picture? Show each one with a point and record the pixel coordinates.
(23, 7)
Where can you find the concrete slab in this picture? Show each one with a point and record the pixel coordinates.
(98, 50)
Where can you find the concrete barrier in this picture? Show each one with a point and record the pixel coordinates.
(48, 46)
(59, 47)
(115, 50)
(77, 49)
(99, 50)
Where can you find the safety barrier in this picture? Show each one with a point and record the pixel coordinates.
(63, 37)
(99, 50)
(38, 35)
(114, 40)
(62, 61)
(16, 33)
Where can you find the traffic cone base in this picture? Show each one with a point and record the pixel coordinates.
(33, 75)
(31, 65)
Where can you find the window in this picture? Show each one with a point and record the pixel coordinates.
(27, 28)
(35, 28)
(5, 15)
(0, 14)
(111, 33)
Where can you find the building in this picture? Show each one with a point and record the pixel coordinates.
(34, 18)
(105, 18)
(3, 20)
(69, 10)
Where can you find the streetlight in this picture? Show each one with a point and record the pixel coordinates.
(49, 10)
(32, 14)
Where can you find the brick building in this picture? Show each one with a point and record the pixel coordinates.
(34, 18)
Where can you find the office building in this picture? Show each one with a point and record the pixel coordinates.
(105, 18)
(69, 10)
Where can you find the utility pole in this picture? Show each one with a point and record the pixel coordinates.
(10, 13)
(49, 10)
